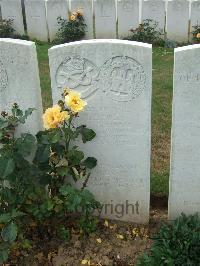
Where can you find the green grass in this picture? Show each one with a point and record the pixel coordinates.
(161, 118)
(161, 111)
(42, 51)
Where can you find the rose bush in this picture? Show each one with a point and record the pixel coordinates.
(71, 30)
(196, 34)
(41, 189)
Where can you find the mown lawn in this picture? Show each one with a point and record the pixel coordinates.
(161, 111)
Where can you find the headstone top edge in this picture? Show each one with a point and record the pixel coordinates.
(29, 1)
(17, 41)
(102, 41)
(57, 1)
(159, 1)
(178, 1)
(187, 48)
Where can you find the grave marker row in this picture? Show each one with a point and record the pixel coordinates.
(104, 18)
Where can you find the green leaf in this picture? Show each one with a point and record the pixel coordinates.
(29, 112)
(9, 232)
(1, 134)
(87, 134)
(18, 112)
(66, 190)
(5, 218)
(3, 123)
(48, 205)
(3, 255)
(25, 144)
(42, 137)
(62, 170)
(68, 133)
(75, 157)
(42, 154)
(55, 135)
(16, 214)
(7, 167)
(8, 195)
(74, 202)
(45, 179)
(90, 162)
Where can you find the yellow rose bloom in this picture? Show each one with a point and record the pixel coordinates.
(72, 17)
(74, 101)
(198, 35)
(53, 117)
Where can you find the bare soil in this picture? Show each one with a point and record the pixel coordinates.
(114, 243)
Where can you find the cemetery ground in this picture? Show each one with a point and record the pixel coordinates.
(113, 244)
(161, 114)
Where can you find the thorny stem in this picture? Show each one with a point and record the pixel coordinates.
(85, 182)
(69, 137)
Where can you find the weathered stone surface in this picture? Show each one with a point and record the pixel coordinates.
(154, 9)
(36, 19)
(105, 19)
(12, 10)
(128, 16)
(55, 9)
(185, 152)
(178, 20)
(115, 78)
(19, 80)
(86, 7)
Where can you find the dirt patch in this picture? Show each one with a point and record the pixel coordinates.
(114, 243)
(160, 203)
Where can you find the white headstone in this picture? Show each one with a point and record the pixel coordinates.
(185, 152)
(36, 19)
(105, 19)
(12, 10)
(55, 9)
(155, 10)
(115, 79)
(86, 7)
(195, 13)
(19, 80)
(128, 16)
(178, 20)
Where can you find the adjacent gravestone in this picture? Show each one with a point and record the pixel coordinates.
(155, 10)
(86, 7)
(128, 16)
(36, 19)
(184, 193)
(178, 20)
(105, 19)
(195, 13)
(114, 77)
(55, 9)
(19, 80)
(0, 11)
(12, 10)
